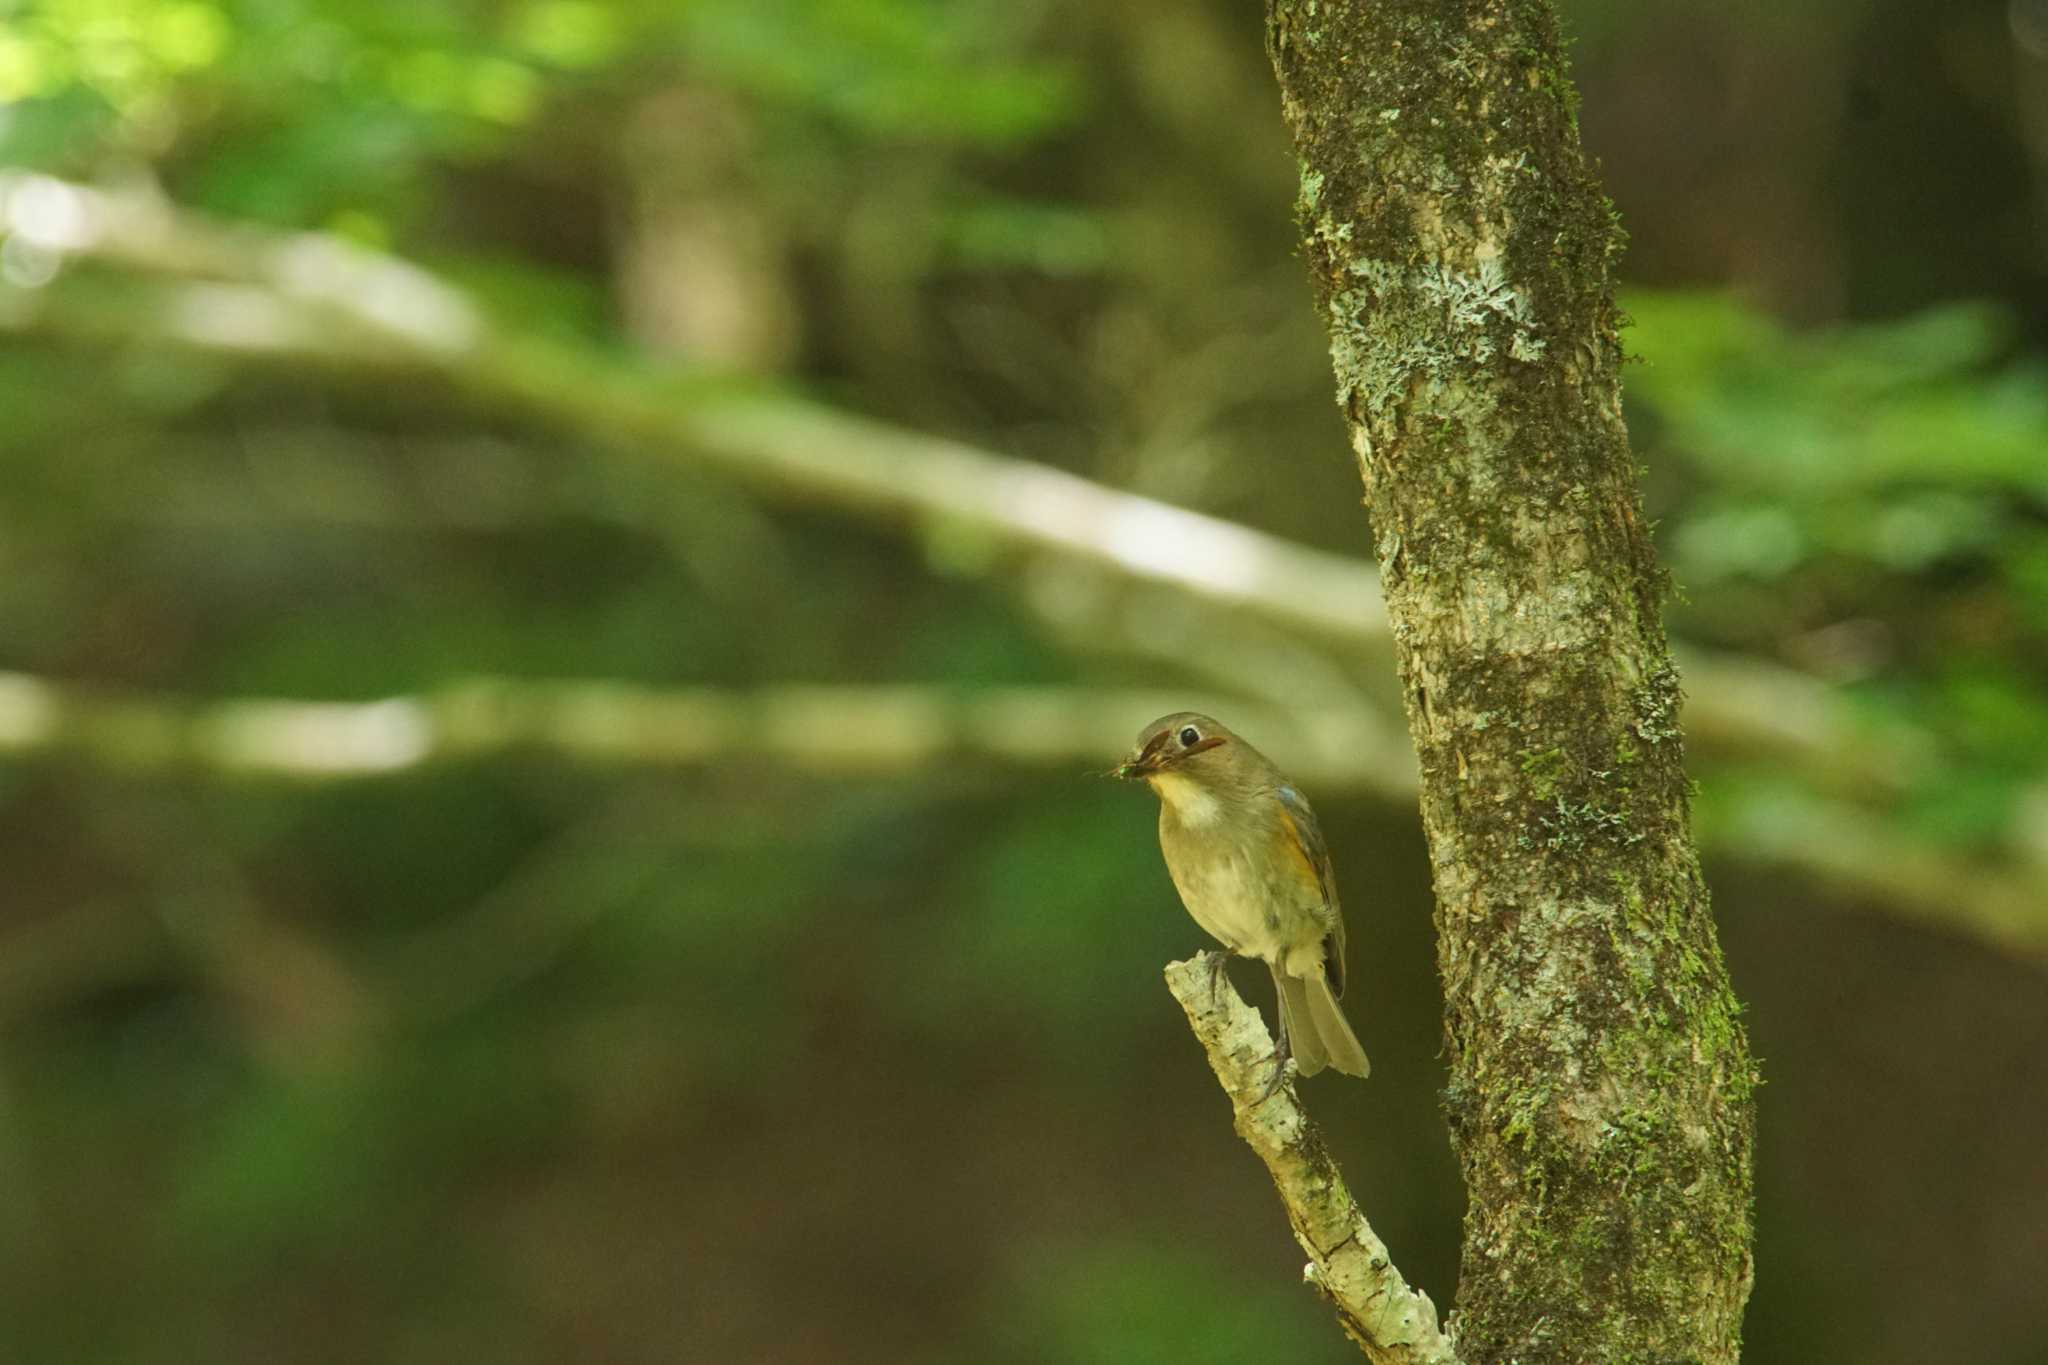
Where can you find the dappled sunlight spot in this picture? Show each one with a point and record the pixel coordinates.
(1147, 537)
(1156, 539)
(40, 220)
(25, 265)
(324, 737)
(378, 289)
(28, 712)
(47, 213)
(234, 317)
(1167, 544)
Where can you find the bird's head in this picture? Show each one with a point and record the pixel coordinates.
(1184, 742)
(1189, 760)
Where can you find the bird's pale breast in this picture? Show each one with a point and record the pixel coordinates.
(1246, 884)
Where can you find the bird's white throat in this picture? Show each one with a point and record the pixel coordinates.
(1193, 803)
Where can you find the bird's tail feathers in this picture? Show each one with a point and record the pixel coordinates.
(1312, 1001)
(1304, 1038)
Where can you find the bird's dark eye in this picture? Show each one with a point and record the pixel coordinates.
(1189, 736)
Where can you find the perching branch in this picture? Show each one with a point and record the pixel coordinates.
(1394, 1322)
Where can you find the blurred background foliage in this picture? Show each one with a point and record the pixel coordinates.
(581, 1050)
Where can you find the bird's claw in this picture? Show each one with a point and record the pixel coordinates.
(1217, 962)
(1284, 1066)
(1283, 1072)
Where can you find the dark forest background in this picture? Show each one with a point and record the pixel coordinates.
(497, 868)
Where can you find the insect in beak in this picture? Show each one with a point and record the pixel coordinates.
(1146, 761)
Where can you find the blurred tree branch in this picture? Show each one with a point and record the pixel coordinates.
(1394, 1322)
(899, 730)
(850, 730)
(1298, 628)
(1267, 616)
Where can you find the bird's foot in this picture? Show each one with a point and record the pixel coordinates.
(1284, 1069)
(1218, 963)
(1283, 1065)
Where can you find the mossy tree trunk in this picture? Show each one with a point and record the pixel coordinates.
(1600, 1094)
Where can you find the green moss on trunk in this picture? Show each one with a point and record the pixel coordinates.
(1461, 251)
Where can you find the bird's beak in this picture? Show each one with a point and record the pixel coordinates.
(1144, 762)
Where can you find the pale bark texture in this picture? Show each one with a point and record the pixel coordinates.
(1599, 1100)
(1394, 1322)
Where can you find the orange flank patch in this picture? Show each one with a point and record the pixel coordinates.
(1290, 839)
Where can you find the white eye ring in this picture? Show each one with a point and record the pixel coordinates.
(1189, 736)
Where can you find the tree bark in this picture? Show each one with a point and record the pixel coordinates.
(1460, 251)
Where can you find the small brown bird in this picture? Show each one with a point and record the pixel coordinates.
(1248, 859)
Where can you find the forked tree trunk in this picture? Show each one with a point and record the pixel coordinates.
(1460, 251)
